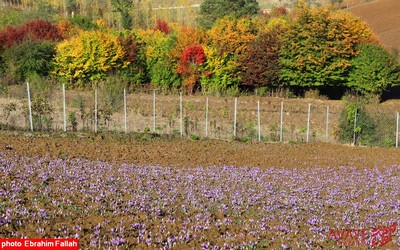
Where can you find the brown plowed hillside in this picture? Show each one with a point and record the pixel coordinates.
(383, 16)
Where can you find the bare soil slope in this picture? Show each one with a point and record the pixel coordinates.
(383, 16)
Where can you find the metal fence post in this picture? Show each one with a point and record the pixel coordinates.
(397, 129)
(355, 127)
(281, 125)
(154, 110)
(258, 121)
(207, 117)
(64, 109)
(308, 122)
(29, 106)
(234, 118)
(125, 119)
(327, 124)
(95, 110)
(181, 114)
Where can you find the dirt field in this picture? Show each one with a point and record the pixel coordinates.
(184, 152)
(383, 16)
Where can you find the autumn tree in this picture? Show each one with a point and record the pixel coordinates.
(279, 11)
(189, 67)
(36, 30)
(211, 10)
(11, 36)
(373, 71)
(233, 36)
(162, 26)
(227, 42)
(89, 57)
(220, 73)
(28, 49)
(318, 46)
(135, 72)
(42, 30)
(260, 68)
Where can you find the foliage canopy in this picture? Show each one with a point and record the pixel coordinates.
(318, 46)
(373, 70)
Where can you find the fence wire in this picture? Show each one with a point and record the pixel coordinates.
(257, 118)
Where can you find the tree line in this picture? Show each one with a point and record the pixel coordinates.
(307, 48)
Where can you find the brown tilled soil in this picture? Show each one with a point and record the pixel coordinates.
(383, 16)
(184, 152)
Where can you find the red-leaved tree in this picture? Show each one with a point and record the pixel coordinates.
(36, 30)
(162, 26)
(11, 36)
(260, 68)
(189, 66)
(42, 30)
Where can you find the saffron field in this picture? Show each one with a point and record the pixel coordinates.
(127, 205)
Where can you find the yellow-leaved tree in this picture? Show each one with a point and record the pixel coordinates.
(89, 56)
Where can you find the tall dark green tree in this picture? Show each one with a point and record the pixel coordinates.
(124, 8)
(211, 10)
(373, 70)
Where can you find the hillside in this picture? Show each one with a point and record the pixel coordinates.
(383, 16)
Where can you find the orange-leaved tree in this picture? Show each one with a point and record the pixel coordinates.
(233, 36)
(184, 37)
(226, 43)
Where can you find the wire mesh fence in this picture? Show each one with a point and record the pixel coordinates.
(247, 118)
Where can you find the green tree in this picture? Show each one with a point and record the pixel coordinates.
(373, 70)
(82, 22)
(220, 73)
(318, 46)
(160, 64)
(28, 58)
(124, 7)
(211, 10)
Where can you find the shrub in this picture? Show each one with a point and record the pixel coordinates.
(363, 129)
(28, 58)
